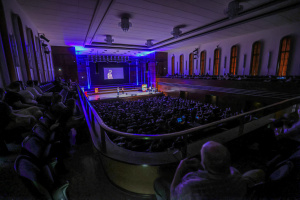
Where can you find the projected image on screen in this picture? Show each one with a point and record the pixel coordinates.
(113, 73)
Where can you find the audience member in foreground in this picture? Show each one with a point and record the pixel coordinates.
(40, 91)
(11, 120)
(18, 103)
(216, 180)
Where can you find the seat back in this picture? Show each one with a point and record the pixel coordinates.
(46, 121)
(41, 132)
(34, 146)
(38, 181)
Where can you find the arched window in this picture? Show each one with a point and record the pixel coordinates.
(191, 64)
(21, 48)
(173, 65)
(255, 58)
(284, 55)
(216, 62)
(202, 62)
(181, 64)
(32, 57)
(233, 60)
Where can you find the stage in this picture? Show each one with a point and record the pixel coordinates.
(113, 95)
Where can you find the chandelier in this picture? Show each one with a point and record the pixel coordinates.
(233, 9)
(149, 43)
(108, 39)
(125, 24)
(176, 32)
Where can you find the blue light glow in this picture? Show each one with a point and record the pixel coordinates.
(80, 48)
(137, 75)
(88, 76)
(144, 53)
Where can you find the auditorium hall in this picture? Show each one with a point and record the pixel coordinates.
(149, 99)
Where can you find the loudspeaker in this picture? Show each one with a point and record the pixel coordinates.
(146, 67)
(97, 68)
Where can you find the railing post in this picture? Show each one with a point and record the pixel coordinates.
(103, 142)
(241, 127)
(184, 148)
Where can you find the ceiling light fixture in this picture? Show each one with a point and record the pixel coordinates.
(42, 36)
(176, 32)
(233, 9)
(125, 24)
(149, 43)
(108, 39)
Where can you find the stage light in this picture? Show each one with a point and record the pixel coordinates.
(96, 90)
(86, 93)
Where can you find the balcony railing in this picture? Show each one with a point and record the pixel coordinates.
(222, 131)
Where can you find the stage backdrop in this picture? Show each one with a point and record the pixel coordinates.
(99, 76)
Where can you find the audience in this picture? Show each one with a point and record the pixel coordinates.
(13, 98)
(56, 105)
(227, 76)
(11, 119)
(27, 95)
(39, 90)
(158, 115)
(18, 103)
(212, 178)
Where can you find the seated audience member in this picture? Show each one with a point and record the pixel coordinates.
(13, 98)
(57, 105)
(10, 120)
(26, 94)
(39, 90)
(217, 179)
(66, 122)
(30, 88)
(41, 98)
(17, 102)
(67, 117)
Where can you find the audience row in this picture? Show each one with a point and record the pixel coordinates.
(238, 77)
(46, 120)
(157, 115)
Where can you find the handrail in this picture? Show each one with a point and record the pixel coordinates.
(179, 133)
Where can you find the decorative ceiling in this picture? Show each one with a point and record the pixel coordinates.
(87, 23)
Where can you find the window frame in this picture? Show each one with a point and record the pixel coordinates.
(173, 65)
(233, 60)
(285, 61)
(255, 58)
(191, 63)
(202, 62)
(216, 69)
(181, 64)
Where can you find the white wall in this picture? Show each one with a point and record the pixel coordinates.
(270, 43)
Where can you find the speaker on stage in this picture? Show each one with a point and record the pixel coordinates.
(97, 68)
